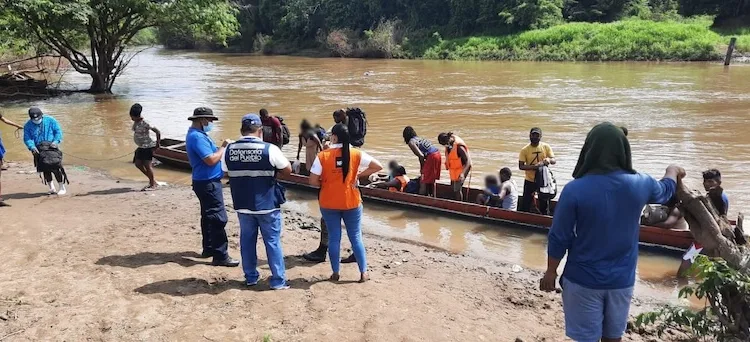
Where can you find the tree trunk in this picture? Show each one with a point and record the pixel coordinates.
(712, 230)
(100, 82)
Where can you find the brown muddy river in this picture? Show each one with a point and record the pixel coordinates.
(696, 115)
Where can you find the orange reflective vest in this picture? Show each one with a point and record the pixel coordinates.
(335, 192)
(452, 160)
(403, 181)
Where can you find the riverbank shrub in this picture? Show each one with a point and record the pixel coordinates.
(726, 315)
(634, 39)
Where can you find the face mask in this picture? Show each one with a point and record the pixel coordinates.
(209, 127)
(37, 121)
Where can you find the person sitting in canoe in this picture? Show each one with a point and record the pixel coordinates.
(490, 194)
(398, 181)
(503, 194)
(430, 160)
(312, 140)
(457, 161)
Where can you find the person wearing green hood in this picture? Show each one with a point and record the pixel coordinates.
(596, 223)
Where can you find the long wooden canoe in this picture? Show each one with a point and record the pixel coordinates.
(173, 153)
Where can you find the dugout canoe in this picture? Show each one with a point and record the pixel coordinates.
(173, 153)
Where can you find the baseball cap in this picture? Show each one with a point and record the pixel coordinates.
(203, 113)
(35, 113)
(536, 130)
(252, 120)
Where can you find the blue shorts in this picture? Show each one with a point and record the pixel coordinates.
(591, 315)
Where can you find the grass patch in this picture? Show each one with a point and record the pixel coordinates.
(634, 39)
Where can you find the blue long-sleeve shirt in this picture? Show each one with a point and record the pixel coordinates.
(48, 130)
(597, 222)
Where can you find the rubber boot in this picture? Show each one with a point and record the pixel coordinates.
(319, 255)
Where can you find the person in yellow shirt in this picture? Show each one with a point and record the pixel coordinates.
(535, 155)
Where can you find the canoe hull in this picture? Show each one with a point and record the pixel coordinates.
(173, 154)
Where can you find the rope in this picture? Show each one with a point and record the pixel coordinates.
(99, 135)
(98, 160)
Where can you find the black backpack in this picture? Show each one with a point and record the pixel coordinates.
(357, 126)
(286, 135)
(50, 157)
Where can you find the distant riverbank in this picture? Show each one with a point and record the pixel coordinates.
(626, 40)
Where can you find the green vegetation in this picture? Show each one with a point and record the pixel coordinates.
(557, 30)
(95, 35)
(726, 316)
(453, 29)
(623, 40)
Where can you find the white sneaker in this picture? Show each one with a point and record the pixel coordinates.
(52, 189)
(62, 191)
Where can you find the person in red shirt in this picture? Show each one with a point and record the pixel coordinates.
(272, 132)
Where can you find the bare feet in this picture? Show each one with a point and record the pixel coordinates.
(364, 277)
(334, 277)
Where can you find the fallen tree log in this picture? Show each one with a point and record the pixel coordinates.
(712, 230)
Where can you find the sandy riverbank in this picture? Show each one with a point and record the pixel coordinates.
(112, 264)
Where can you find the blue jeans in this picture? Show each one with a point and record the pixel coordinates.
(213, 218)
(594, 314)
(270, 229)
(353, 220)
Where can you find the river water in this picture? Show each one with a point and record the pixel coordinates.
(693, 114)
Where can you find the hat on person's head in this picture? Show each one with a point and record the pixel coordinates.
(203, 113)
(536, 130)
(251, 120)
(35, 113)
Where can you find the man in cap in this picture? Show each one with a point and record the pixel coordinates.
(534, 156)
(252, 166)
(205, 159)
(44, 132)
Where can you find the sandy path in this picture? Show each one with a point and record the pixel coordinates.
(108, 263)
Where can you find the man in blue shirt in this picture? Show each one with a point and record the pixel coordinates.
(205, 159)
(597, 222)
(252, 166)
(43, 132)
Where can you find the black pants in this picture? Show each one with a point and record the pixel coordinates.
(213, 218)
(48, 172)
(529, 188)
(323, 234)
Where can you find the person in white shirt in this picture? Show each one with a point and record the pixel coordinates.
(252, 166)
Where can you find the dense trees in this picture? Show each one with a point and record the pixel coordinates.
(306, 23)
(94, 35)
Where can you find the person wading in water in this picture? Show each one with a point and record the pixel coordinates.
(596, 223)
(336, 172)
(532, 157)
(430, 160)
(457, 161)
